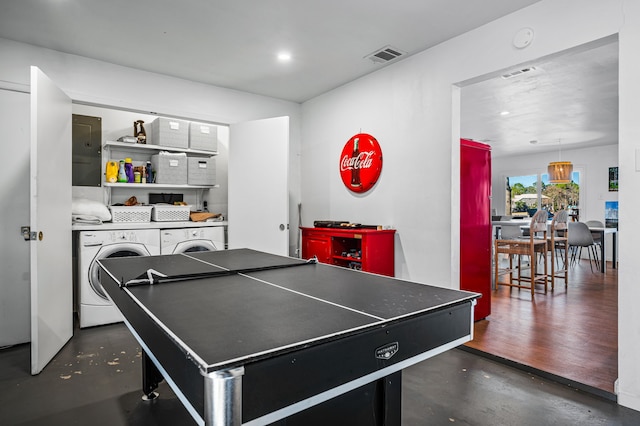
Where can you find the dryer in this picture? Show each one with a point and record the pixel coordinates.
(184, 240)
(95, 307)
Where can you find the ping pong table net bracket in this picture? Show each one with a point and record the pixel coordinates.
(151, 276)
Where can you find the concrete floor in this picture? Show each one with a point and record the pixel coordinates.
(95, 380)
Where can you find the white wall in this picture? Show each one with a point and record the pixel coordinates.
(412, 108)
(629, 131)
(14, 211)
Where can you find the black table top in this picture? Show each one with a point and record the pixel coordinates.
(231, 319)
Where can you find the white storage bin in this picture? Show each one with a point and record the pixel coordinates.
(170, 213)
(202, 171)
(169, 168)
(169, 132)
(130, 213)
(203, 137)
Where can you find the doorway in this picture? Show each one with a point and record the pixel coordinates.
(522, 118)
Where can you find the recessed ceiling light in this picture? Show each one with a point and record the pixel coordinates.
(505, 113)
(284, 56)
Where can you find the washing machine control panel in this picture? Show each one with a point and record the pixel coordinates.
(111, 237)
(196, 233)
(146, 236)
(123, 236)
(176, 239)
(174, 236)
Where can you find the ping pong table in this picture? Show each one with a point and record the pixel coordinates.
(251, 338)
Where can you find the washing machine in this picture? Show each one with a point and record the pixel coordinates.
(185, 240)
(95, 307)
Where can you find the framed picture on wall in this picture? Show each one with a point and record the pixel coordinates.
(613, 179)
(611, 214)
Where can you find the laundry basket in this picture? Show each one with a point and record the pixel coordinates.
(130, 213)
(170, 213)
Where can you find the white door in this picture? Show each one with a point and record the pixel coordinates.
(259, 185)
(14, 251)
(50, 182)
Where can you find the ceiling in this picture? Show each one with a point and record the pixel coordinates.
(565, 102)
(570, 99)
(234, 44)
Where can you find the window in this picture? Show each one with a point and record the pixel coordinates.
(526, 194)
(563, 195)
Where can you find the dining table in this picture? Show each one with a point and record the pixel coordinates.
(602, 232)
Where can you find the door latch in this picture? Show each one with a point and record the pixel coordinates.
(28, 235)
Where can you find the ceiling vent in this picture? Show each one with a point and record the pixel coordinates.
(386, 54)
(518, 72)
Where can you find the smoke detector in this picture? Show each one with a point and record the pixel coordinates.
(385, 54)
(518, 72)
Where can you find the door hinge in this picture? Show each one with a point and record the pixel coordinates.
(27, 234)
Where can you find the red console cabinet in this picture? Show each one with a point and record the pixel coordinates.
(370, 250)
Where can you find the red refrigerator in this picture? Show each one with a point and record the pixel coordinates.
(475, 223)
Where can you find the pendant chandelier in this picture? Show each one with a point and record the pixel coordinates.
(560, 171)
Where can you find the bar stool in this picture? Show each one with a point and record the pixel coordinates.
(532, 245)
(559, 243)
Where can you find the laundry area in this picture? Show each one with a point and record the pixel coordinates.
(147, 201)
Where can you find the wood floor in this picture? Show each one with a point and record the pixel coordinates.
(571, 333)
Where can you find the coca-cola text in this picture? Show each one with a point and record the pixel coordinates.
(362, 161)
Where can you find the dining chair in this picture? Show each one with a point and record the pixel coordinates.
(580, 236)
(597, 238)
(531, 245)
(558, 246)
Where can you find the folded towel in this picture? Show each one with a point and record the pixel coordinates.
(85, 207)
(88, 219)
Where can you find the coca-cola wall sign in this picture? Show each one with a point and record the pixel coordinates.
(360, 163)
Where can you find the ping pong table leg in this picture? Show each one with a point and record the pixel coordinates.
(389, 401)
(151, 377)
(223, 397)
